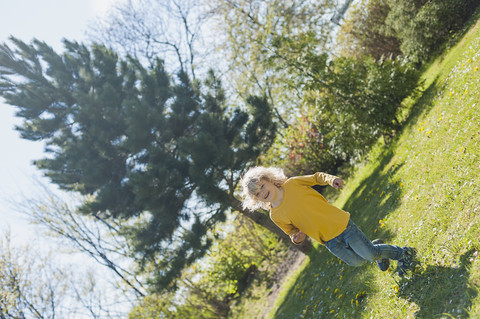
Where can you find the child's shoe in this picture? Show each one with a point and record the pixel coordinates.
(383, 264)
(406, 261)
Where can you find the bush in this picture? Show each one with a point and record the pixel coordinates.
(344, 114)
(351, 102)
(360, 100)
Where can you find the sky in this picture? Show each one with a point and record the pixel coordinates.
(49, 21)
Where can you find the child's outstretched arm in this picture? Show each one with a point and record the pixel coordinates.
(320, 179)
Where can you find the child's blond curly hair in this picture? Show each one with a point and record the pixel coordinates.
(251, 185)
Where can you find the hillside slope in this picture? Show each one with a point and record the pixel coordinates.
(422, 190)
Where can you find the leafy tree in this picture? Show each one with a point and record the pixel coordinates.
(165, 155)
(362, 32)
(412, 28)
(247, 30)
(423, 26)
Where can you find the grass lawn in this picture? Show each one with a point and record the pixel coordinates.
(422, 190)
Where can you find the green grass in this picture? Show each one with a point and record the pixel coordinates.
(422, 190)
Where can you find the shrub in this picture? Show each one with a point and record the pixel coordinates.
(360, 100)
(304, 148)
(351, 102)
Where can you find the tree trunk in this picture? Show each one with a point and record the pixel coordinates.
(265, 221)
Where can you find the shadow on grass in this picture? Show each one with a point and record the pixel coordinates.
(380, 193)
(460, 34)
(326, 286)
(375, 197)
(423, 104)
(440, 291)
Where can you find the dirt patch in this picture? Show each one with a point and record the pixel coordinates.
(293, 259)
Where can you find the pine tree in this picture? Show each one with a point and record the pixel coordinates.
(164, 153)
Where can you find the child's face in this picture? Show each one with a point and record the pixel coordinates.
(267, 191)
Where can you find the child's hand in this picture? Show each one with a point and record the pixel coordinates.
(298, 238)
(337, 183)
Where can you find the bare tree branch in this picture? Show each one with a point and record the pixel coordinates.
(98, 239)
(35, 285)
(170, 30)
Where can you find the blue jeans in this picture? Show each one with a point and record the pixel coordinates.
(355, 249)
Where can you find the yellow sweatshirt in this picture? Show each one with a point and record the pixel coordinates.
(303, 208)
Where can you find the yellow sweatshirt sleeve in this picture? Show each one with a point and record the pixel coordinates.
(317, 178)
